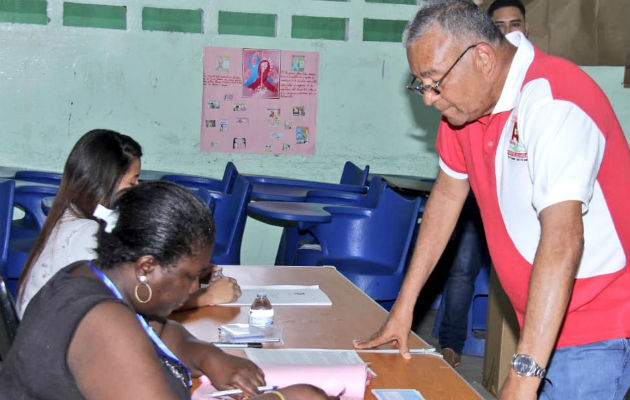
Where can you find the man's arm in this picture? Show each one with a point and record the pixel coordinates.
(440, 217)
(551, 283)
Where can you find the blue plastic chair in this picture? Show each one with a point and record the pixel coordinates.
(353, 175)
(7, 189)
(353, 179)
(10, 320)
(7, 192)
(477, 316)
(191, 181)
(292, 237)
(370, 246)
(230, 216)
(29, 199)
(49, 178)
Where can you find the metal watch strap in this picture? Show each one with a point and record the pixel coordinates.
(537, 372)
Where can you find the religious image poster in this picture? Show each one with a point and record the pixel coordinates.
(259, 101)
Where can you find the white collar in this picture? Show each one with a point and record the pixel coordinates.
(516, 75)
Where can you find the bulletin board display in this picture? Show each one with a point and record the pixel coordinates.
(259, 101)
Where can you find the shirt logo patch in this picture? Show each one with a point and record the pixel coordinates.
(516, 151)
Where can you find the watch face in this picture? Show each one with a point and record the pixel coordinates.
(523, 364)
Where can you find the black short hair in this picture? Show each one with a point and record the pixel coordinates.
(506, 3)
(156, 218)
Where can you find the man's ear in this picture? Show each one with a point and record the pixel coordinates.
(485, 59)
(146, 265)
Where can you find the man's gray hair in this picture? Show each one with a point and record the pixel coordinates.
(459, 18)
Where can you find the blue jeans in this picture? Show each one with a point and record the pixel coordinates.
(598, 371)
(470, 254)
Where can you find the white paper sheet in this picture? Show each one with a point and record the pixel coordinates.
(304, 356)
(284, 295)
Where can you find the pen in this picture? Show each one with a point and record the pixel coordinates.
(239, 345)
(427, 350)
(239, 391)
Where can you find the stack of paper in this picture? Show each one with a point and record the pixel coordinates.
(245, 333)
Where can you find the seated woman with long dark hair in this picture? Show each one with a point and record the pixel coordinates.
(101, 164)
(98, 329)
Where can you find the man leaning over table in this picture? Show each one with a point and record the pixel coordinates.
(539, 144)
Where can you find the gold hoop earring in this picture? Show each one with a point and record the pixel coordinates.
(143, 282)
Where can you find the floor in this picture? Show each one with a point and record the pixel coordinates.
(470, 369)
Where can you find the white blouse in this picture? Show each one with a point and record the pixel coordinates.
(72, 239)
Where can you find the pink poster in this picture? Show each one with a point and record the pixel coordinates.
(259, 101)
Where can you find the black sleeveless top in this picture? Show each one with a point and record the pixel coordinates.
(36, 366)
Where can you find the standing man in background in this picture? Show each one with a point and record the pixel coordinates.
(539, 144)
(508, 16)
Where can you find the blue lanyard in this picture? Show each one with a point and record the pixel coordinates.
(161, 348)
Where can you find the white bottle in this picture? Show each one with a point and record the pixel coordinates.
(261, 311)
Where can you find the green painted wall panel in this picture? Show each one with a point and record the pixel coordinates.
(25, 12)
(383, 30)
(305, 27)
(250, 24)
(173, 20)
(94, 15)
(410, 2)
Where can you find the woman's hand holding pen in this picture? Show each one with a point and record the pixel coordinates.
(222, 290)
(231, 372)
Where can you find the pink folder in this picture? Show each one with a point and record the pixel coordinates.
(350, 380)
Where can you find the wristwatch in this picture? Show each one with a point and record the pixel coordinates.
(524, 365)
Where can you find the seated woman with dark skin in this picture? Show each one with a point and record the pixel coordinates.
(99, 329)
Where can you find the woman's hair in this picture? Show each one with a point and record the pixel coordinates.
(91, 176)
(157, 218)
(461, 19)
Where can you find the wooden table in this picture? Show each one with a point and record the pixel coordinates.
(353, 315)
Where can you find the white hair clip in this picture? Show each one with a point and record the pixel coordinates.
(109, 216)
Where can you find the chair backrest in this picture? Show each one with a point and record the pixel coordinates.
(353, 175)
(369, 246)
(384, 235)
(230, 215)
(49, 178)
(7, 189)
(10, 320)
(194, 182)
(29, 198)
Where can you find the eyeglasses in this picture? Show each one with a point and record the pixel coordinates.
(417, 86)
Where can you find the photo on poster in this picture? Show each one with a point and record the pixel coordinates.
(242, 121)
(273, 117)
(297, 64)
(239, 107)
(223, 125)
(211, 123)
(223, 64)
(301, 134)
(239, 143)
(298, 111)
(214, 104)
(261, 73)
